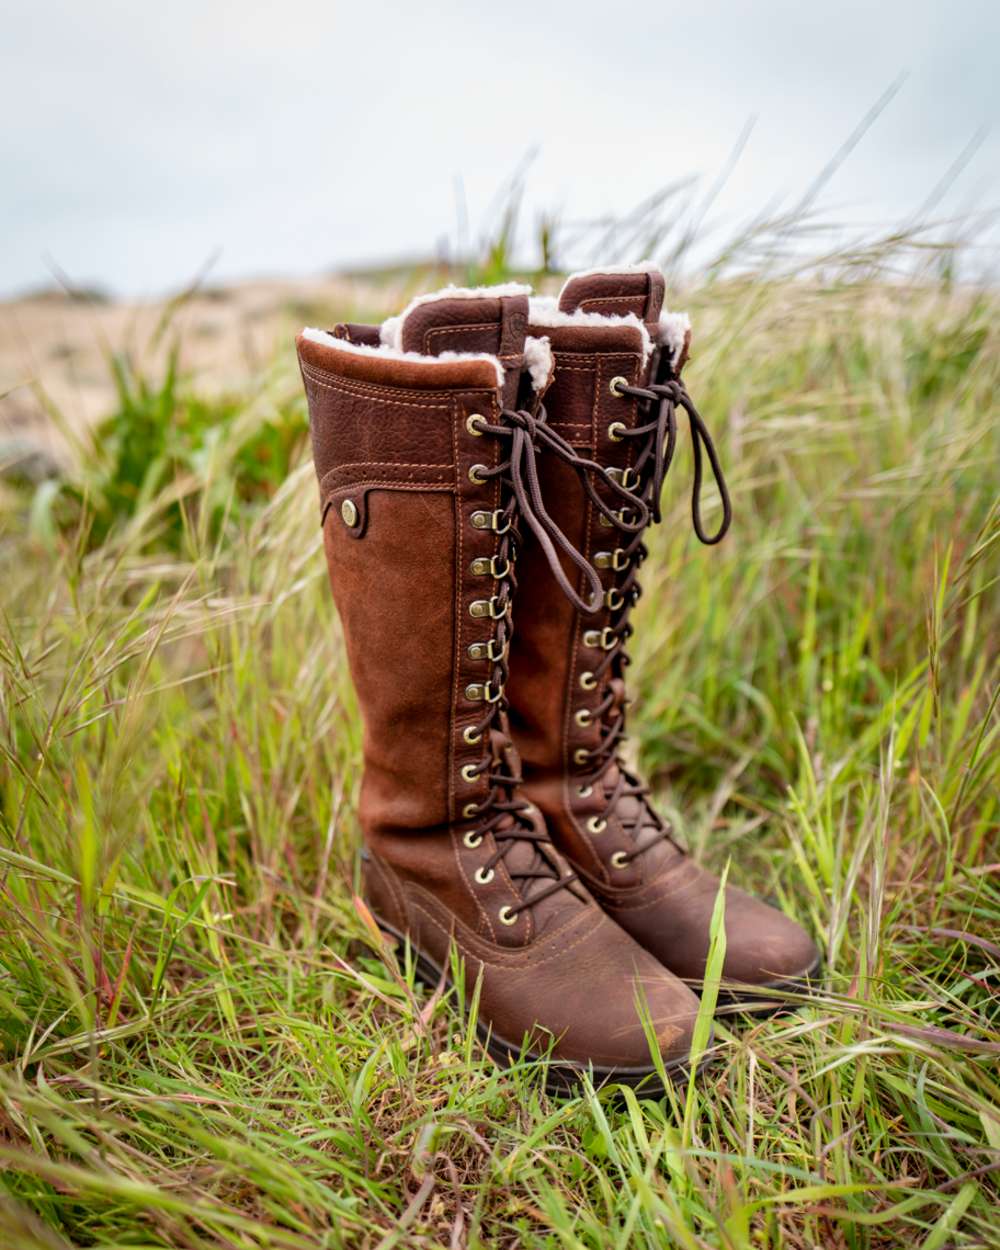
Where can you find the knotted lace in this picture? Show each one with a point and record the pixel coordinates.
(656, 436)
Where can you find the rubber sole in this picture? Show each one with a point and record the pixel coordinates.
(560, 1077)
(753, 1000)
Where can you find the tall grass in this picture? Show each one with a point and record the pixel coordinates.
(201, 1048)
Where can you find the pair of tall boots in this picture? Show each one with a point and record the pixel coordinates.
(484, 551)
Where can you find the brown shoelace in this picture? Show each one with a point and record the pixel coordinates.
(502, 813)
(657, 439)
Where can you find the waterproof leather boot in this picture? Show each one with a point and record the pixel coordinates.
(425, 437)
(616, 397)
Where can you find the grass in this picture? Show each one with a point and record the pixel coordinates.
(200, 1045)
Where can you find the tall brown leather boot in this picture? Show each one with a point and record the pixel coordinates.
(428, 478)
(616, 397)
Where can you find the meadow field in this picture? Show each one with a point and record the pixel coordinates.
(201, 1044)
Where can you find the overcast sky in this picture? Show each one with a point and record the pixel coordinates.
(138, 139)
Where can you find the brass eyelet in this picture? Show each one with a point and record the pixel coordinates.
(474, 473)
(614, 599)
(483, 692)
(484, 876)
(583, 717)
(619, 860)
(470, 811)
(626, 477)
(581, 755)
(615, 384)
(480, 566)
(507, 915)
(490, 650)
(602, 638)
(495, 521)
(617, 430)
(470, 772)
(596, 825)
(472, 424)
(587, 680)
(491, 607)
(471, 735)
(585, 791)
(472, 839)
(616, 560)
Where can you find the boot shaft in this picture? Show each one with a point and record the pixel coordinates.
(412, 539)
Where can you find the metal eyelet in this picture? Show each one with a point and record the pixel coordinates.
(616, 559)
(614, 599)
(587, 680)
(484, 876)
(491, 607)
(615, 384)
(490, 520)
(585, 791)
(483, 692)
(581, 755)
(507, 915)
(602, 638)
(491, 650)
(626, 477)
(583, 717)
(596, 825)
(471, 735)
(490, 566)
(472, 839)
(617, 431)
(470, 811)
(470, 772)
(619, 860)
(474, 473)
(471, 424)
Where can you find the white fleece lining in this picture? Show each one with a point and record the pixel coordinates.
(672, 332)
(539, 361)
(387, 352)
(545, 311)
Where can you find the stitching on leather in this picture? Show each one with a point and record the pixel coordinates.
(612, 299)
(385, 464)
(436, 331)
(389, 391)
(392, 885)
(374, 393)
(395, 482)
(529, 959)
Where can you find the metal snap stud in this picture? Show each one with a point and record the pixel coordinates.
(349, 512)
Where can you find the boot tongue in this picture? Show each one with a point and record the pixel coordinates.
(465, 321)
(610, 292)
